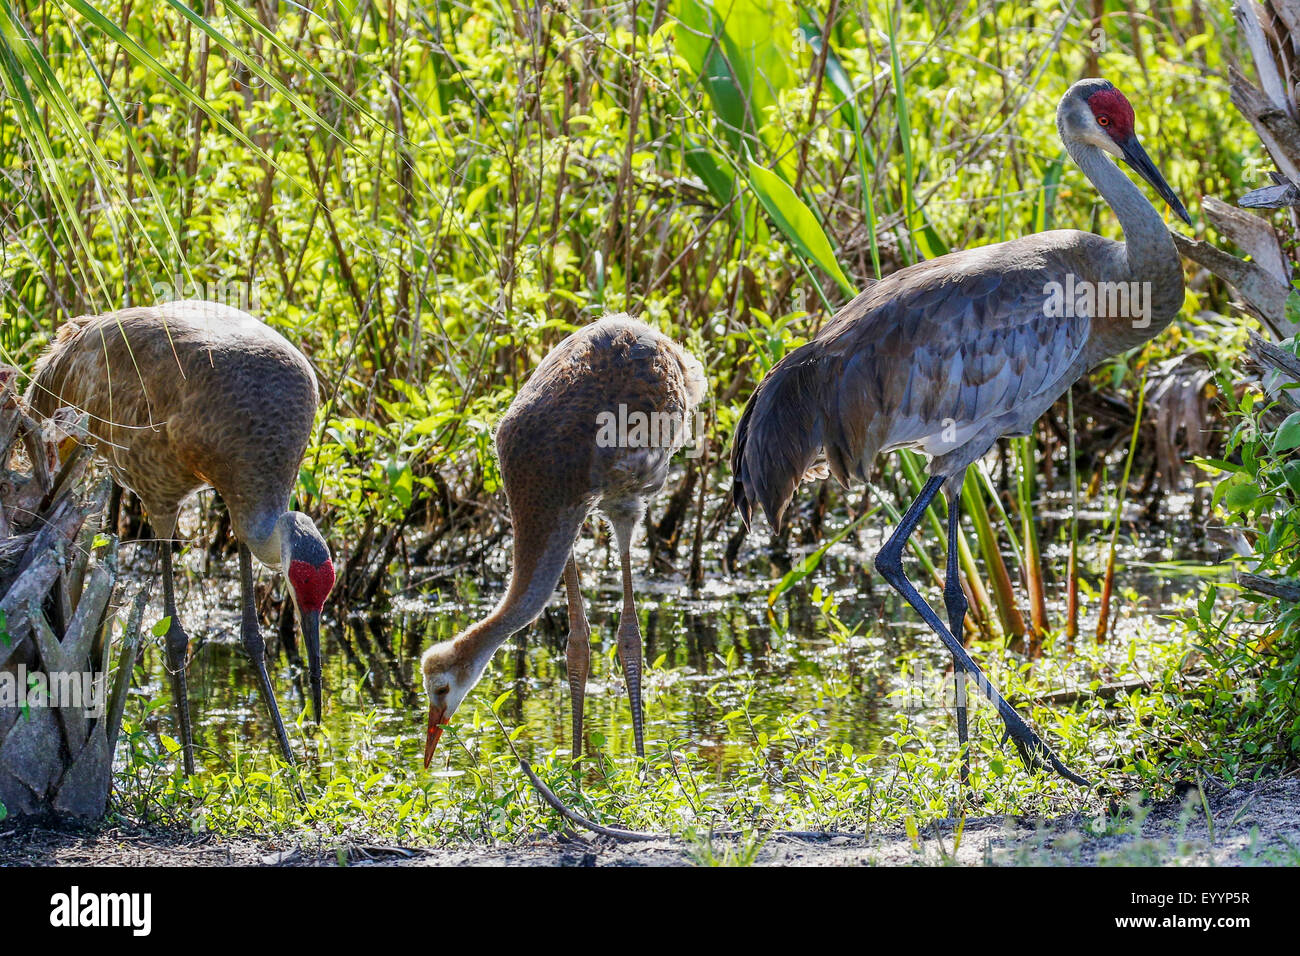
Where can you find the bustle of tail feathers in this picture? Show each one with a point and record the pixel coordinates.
(779, 438)
(696, 382)
(67, 333)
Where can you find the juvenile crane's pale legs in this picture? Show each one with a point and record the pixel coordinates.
(578, 652)
(629, 630)
(630, 650)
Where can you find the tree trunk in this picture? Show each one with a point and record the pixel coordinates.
(1271, 32)
(58, 723)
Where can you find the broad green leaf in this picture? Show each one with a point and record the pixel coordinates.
(1240, 497)
(1288, 435)
(796, 222)
(719, 180)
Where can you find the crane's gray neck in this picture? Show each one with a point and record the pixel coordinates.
(1149, 249)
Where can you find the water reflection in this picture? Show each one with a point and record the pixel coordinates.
(373, 692)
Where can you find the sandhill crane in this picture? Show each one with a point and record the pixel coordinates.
(594, 426)
(191, 393)
(948, 355)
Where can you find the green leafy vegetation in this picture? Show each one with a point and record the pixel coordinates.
(427, 196)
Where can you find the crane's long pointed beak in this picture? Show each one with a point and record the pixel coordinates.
(435, 732)
(311, 636)
(1137, 157)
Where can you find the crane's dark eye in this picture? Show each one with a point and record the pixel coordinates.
(1103, 120)
(443, 690)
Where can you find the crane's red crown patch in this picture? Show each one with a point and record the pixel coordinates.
(1113, 112)
(311, 584)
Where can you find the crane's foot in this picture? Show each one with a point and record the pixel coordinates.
(1035, 754)
(629, 655)
(253, 644)
(178, 654)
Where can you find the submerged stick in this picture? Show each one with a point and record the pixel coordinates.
(1287, 589)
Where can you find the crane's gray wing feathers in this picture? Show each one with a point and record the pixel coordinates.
(943, 357)
(779, 436)
(949, 362)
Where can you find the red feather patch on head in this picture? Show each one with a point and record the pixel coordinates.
(1113, 112)
(311, 584)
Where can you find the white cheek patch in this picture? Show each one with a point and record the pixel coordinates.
(1096, 136)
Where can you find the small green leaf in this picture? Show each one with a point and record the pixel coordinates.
(162, 627)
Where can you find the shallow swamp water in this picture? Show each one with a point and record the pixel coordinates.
(720, 662)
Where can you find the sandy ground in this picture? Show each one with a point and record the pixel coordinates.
(1257, 824)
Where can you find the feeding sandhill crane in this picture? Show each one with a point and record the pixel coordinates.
(947, 356)
(594, 426)
(191, 393)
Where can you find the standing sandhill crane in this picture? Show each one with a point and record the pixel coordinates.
(564, 450)
(948, 355)
(191, 393)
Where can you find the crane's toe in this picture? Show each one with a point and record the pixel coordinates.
(1035, 754)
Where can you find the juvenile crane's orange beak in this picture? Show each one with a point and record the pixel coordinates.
(435, 732)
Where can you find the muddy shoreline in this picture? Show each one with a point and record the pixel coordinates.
(1254, 824)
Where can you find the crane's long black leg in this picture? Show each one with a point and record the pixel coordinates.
(251, 632)
(954, 599)
(113, 517)
(578, 652)
(889, 562)
(178, 653)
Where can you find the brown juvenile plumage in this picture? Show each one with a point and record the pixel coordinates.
(191, 393)
(186, 394)
(949, 355)
(557, 464)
